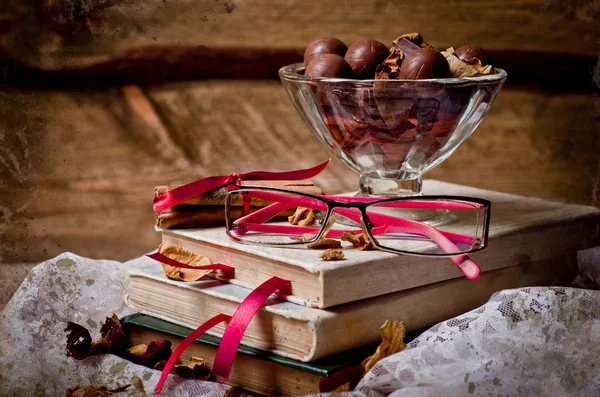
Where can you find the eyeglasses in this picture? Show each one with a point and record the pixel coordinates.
(393, 225)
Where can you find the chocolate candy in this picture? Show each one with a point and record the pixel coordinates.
(424, 63)
(324, 45)
(364, 56)
(472, 54)
(328, 65)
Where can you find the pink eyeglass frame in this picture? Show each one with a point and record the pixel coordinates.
(344, 206)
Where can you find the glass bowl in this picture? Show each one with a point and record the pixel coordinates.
(391, 131)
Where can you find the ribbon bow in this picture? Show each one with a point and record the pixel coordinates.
(188, 191)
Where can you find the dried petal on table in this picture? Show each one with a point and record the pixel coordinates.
(326, 243)
(332, 255)
(97, 390)
(459, 68)
(302, 217)
(187, 257)
(392, 335)
(358, 240)
(368, 245)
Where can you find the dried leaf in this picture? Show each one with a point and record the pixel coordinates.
(97, 390)
(302, 217)
(326, 243)
(459, 68)
(187, 257)
(332, 255)
(157, 350)
(392, 335)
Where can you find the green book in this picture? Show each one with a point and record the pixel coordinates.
(256, 370)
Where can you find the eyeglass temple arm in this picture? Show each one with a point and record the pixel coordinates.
(465, 264)
(421, 204)
(287, 202)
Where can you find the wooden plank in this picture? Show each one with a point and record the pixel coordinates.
(11, 277)
(59, 35)
(158, 64)
(78, 168)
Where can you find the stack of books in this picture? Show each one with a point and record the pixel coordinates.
(329, 319)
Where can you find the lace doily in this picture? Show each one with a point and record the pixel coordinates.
(529, 341)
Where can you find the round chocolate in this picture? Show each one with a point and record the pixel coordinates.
(471, 54)
(424, 63)
(328, 65)
(364, 56)
(324, 45)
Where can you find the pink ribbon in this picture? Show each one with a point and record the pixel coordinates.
(183, 193)
(219, 318)
(157, 256)
(239, 323)
(233, 333)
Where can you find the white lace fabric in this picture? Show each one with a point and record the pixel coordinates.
(523, 342)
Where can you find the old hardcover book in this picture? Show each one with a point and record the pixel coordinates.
(306, 333)
(255, 370)
(522, 230)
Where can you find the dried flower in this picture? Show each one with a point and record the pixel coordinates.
(157, 350)
(112, 340)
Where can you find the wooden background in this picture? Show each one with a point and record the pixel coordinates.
(102, 100)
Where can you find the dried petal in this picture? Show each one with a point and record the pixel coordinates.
(135, 353)
(302, 216)
(326, 243)
(97, 390)
(193, 368)
(368, 245)
(459, 68)
(358, 240)
(79, 341)
(157, 350)
(332, 255)
(187, 257)
(392, 335)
